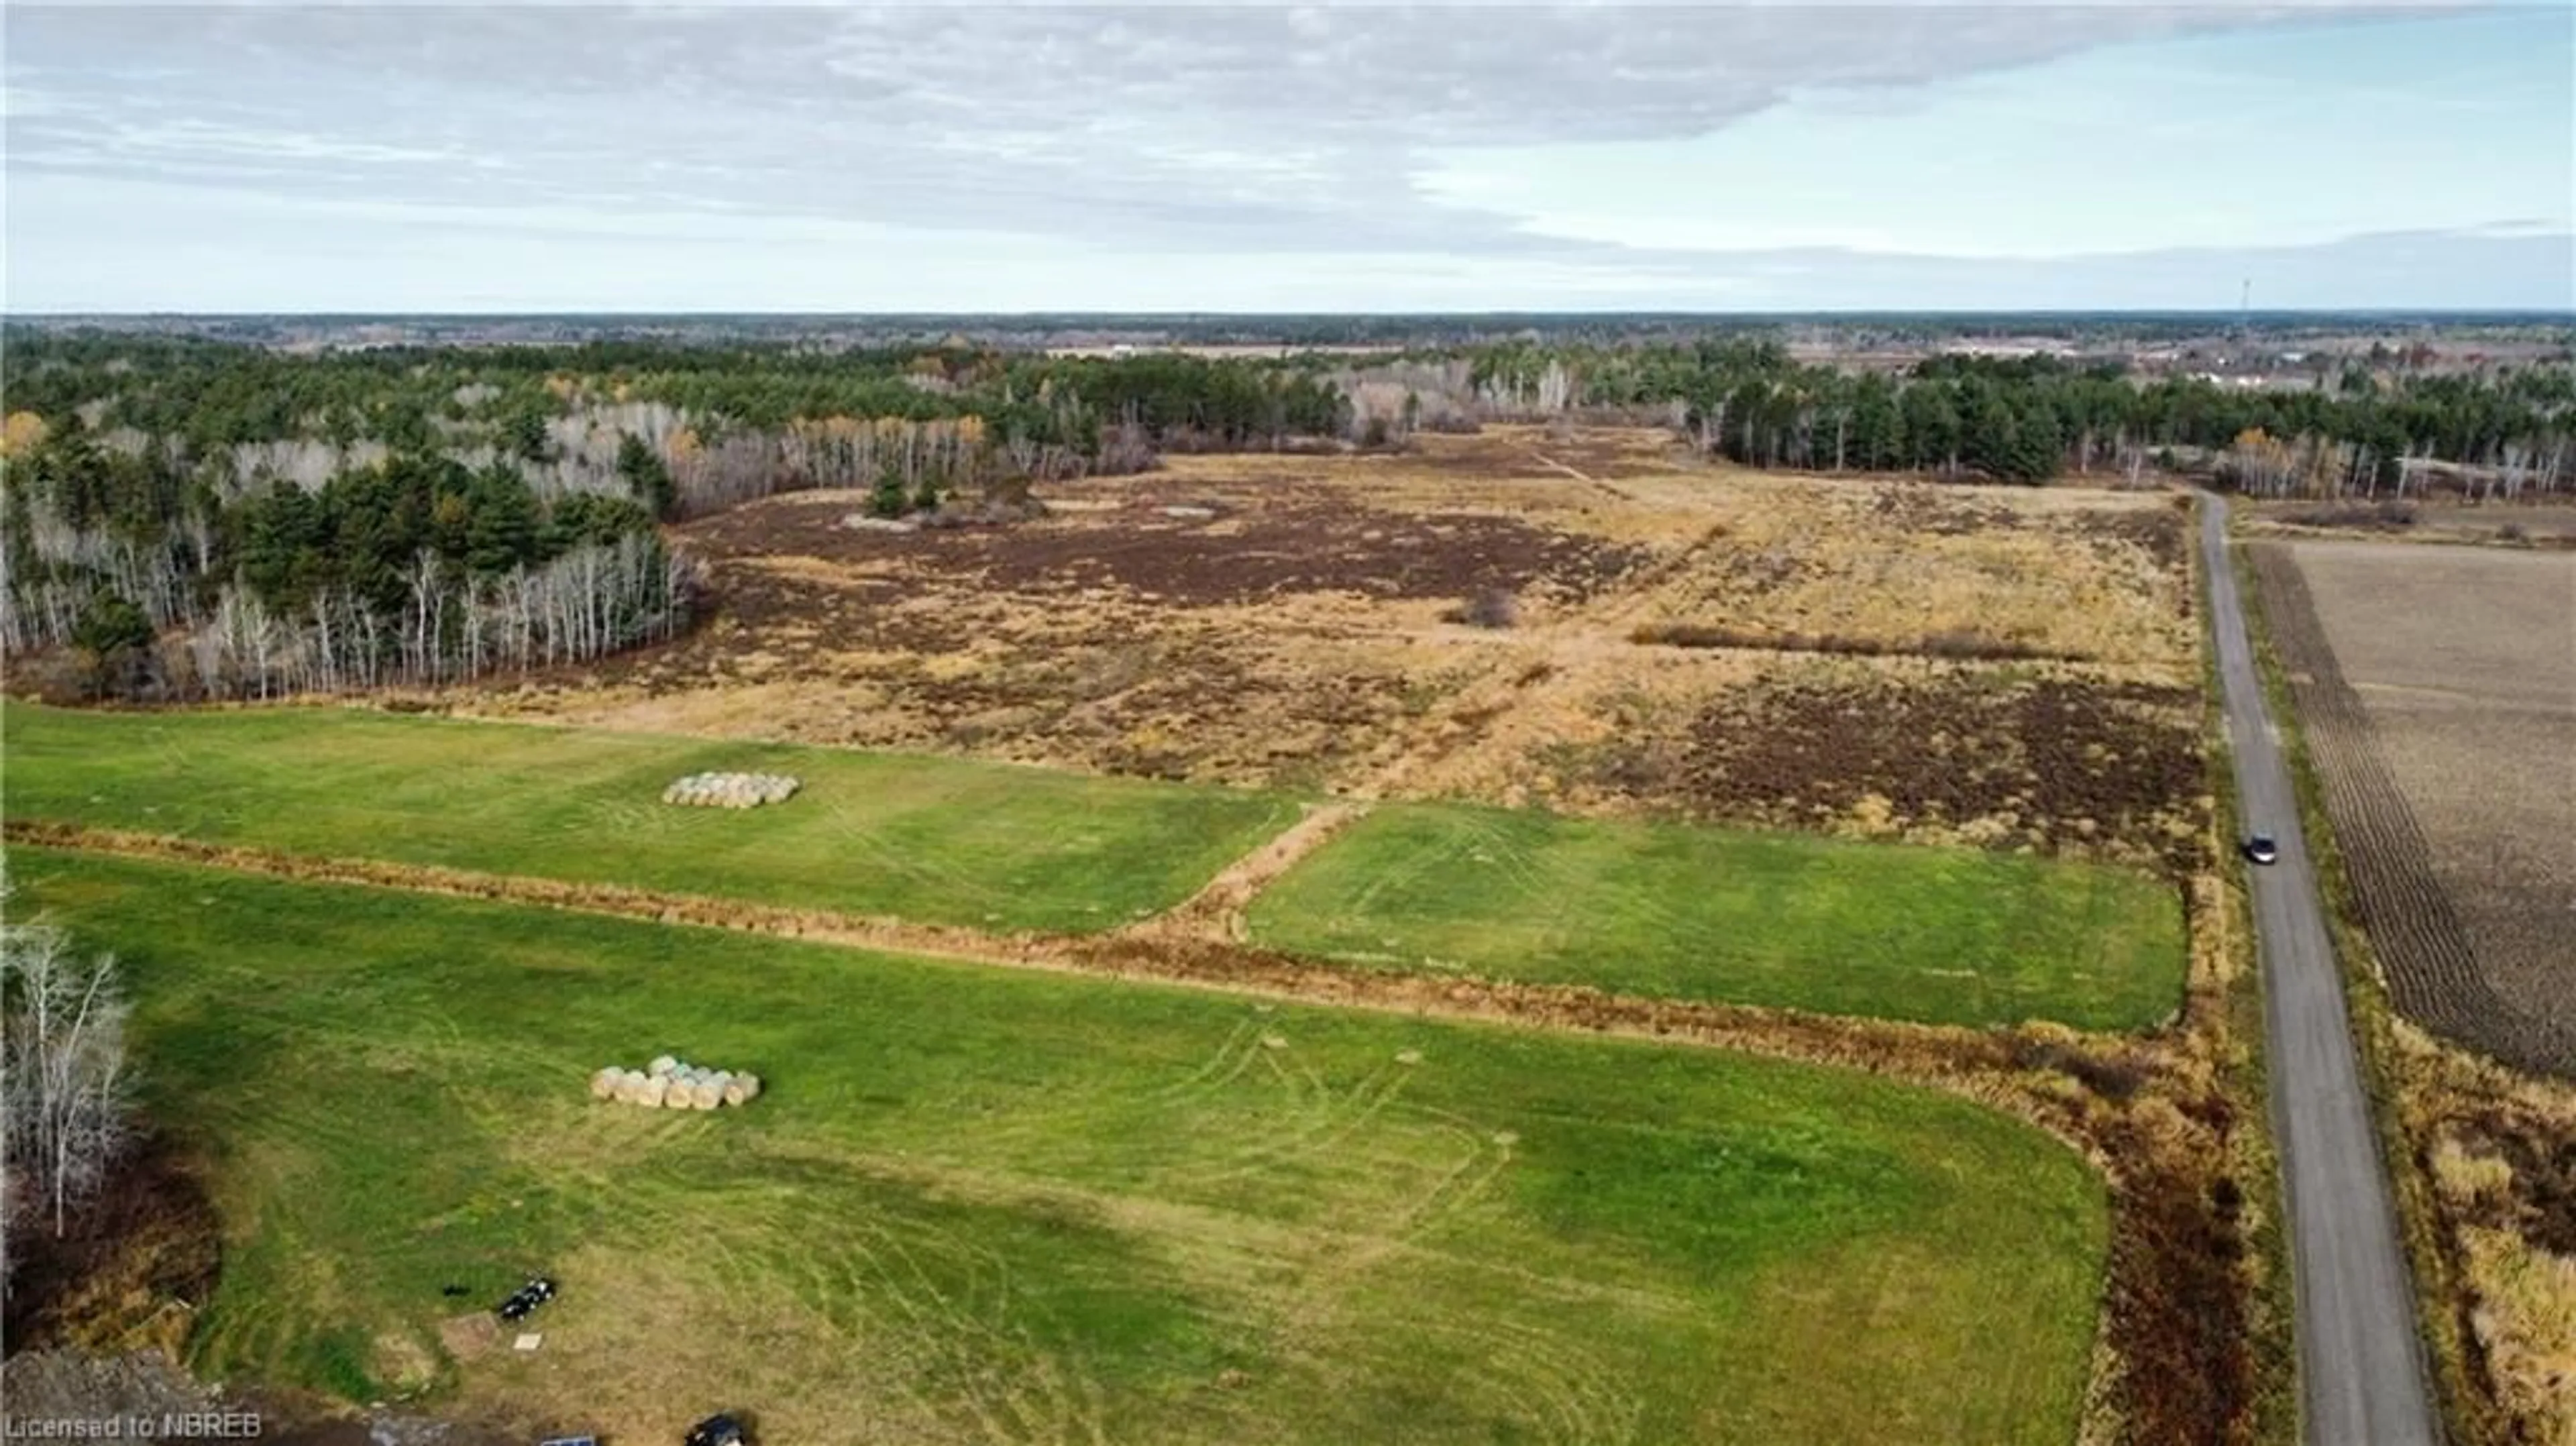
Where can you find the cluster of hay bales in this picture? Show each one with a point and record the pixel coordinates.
(731, 790)
(674, 1084)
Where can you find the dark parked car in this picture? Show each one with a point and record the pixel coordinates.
(2262, 850)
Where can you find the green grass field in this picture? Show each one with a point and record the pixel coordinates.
(931, 839)
(1947, 936)
(977, 1204)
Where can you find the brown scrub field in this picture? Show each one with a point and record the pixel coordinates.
(2009, 667)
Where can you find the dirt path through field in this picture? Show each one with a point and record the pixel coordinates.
(1586, 478)
(1522, 674)
(1216, 911)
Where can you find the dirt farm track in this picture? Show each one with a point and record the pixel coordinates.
(2437, 687)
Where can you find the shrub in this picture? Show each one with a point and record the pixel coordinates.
(1493, 607)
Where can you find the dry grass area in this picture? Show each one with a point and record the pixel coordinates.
(2446, 520)
(2499, 1149)
(1297, 621)
(2051, 758)
(2438, 687)
(2091, 576)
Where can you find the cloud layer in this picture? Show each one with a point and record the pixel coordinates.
(1165, 131)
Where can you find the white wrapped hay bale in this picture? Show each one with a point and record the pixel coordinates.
(743, 1090)
(603, 1084)
(705, 1095)
(662, 1064)
(655, 1090)
(731, 790)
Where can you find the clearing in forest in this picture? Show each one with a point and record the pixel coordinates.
(978, 1204)
(1938, 935)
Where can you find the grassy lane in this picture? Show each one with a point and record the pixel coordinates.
(1945, 936)
(979, 1203)
(932, 839)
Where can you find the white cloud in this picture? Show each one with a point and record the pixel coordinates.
(1184, 139)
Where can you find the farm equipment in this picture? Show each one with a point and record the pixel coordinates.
(527, 1298)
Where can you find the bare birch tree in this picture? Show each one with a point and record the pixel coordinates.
(65, 1092)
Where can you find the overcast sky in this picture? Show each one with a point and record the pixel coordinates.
(1458, 157)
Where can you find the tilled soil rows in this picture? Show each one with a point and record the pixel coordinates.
(2433, 974)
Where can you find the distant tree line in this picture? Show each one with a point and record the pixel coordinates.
(2028, 419)
(350, 517)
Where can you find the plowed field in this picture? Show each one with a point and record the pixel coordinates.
(2437, 688)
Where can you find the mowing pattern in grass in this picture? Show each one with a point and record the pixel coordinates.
(990, 1205)
(1947, 936)
(937, 840)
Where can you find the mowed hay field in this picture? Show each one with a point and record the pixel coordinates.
(1942, 935)
(929, 839)
(2437, 686)
(989, 1205)
(1937, 935)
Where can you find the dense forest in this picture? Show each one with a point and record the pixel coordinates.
(2032, 418)
(207, 518)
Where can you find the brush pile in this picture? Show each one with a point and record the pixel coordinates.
(674, 1084)
(731, 790)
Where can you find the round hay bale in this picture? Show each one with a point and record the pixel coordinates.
(680, 1096)
(749, 1084)
(662, 1064)
(603, 1085)
(629, 1085)
(655, 1090)
(706, 1095)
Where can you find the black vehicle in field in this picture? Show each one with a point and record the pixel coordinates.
(526, 1298)
(717, 1431)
